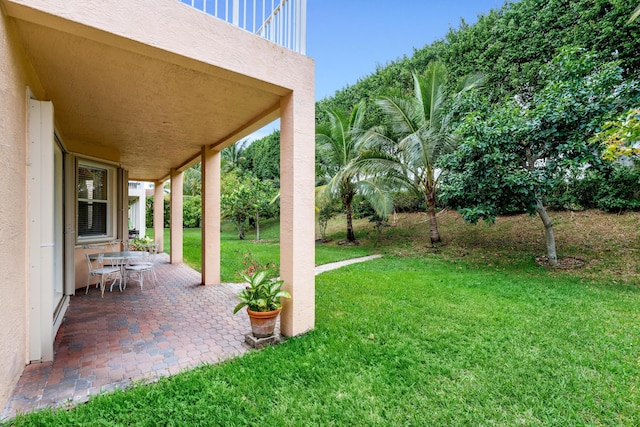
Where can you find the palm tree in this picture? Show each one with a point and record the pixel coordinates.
(233, 156)
(405, 151)
(338, 144)
(192, 184)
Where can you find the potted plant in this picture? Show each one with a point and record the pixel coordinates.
(262, 299)
(140, 243)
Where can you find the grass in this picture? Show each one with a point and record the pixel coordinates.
(471, 332)
(416, 341)
(267, 249)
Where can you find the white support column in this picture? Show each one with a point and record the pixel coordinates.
(210, 216)
(297, 176)
(158, 214)
(176, 217)
(123, 204)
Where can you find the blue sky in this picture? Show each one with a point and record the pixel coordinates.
(348, 39)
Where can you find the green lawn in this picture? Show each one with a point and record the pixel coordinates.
(266, 250)
(417, 341)
(472, 332)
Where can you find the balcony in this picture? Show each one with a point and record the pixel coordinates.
(280, 21)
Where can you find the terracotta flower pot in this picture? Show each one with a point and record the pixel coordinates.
(263, 323)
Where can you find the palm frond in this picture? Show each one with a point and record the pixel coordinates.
(432, 90)
(401, 112)
(634, 15)
(378, 195)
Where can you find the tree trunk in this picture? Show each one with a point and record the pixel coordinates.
(548, 232)
(240, 225)
(431, 211)
(351, 237)
(257, 227)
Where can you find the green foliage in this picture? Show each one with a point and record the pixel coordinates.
(403, 153)
(262, 293)
(324, 215)
(621, 191)
(262, 157)
(233, 157)
(576, 189)
(149, 211)
(140, 243)
(192, 181)
(511, 155)
(634, 15)
(245, 197)
(407, 201)
(609, 187)
(192, 211)
(620, 136)
(252, 265)
(338, 145)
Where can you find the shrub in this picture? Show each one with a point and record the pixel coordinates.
(192, 212)
(620, 191)
(252, 265)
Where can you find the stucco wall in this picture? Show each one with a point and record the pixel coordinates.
(16, 76)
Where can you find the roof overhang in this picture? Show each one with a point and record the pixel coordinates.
(149, 83)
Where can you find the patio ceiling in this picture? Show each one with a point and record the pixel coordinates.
(151, 109)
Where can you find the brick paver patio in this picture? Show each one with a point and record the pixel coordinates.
(106, 343)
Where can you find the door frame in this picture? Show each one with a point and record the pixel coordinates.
(45, 317)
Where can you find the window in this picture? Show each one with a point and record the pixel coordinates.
(96, 200)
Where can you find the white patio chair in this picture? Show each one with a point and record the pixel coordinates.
(113, 246)
(138, 266)
(106, 272)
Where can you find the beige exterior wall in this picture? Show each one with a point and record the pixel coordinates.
(16, 76)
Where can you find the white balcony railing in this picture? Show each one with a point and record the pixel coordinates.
(283, 22)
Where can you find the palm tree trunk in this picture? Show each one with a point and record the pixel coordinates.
(548, 232)
(347, 199)
(431, 211)
(351, 237)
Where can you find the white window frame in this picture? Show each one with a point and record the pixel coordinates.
(112, 200)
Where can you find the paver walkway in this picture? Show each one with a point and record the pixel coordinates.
(106, 343)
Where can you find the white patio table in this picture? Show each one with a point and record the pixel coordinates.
(120, 258)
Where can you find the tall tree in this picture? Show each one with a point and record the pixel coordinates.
(510, 154)
(233, 156)
(245, 197)
(405, 151)
(338, 145)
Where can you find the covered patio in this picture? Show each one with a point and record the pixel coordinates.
(97, 94)
(106, 343)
